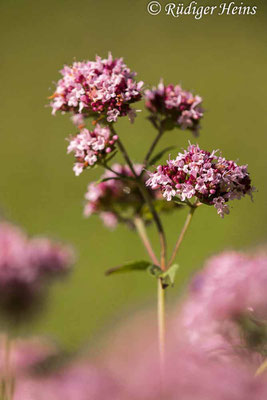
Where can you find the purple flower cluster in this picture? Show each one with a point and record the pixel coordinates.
(227, 306)
(117, 200)
(90, 147)
(210, 354)
(181, 108)
(212, 179)
(80, 381)
(101, 88)
(191, 372)
(113, 199)
(25, 266)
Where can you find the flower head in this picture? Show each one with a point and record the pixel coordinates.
(212, 179)
(25, 267)
(90, 147)
(117, 200)
(191, 372)
(101, 88)
(227, 307)
(181, 108)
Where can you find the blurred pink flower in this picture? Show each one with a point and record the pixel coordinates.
(117, 200)
(226, 311)
(25, 354)
(79, 381)
(25, 266)
(191, 372)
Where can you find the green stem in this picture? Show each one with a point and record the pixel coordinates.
(123, 177)
(182, 234)
(163, 246)
(261, 368)
(152, 147)
(7, 368)
(147, 199)
(141, 229)
(161, 325)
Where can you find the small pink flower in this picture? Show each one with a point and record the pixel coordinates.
(90, 147)
(109, 219)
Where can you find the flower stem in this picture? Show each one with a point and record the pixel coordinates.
(261, 368)
(140, 227)
(161, 326)
(147, 199)
(152, 147)
(118, 175)
(7, 368)
(182, 234)
(163, 246)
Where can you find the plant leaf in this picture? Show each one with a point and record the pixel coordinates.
(129, 267)
(154, 270)
(160, 154)
(168, 276)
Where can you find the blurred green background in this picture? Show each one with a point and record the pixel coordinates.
(221, 58)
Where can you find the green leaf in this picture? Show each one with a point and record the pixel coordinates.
(168, 276)
(154, 270)
(160, 154)
(129, 267)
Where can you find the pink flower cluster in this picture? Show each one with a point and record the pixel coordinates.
(181, 108)
(227, 306)
(117, 200)
(212, 179)
(90, 147)
(104, 87)
(191, 372)
(80, 381)
(232, 285)
(113, 199)
(25, 265)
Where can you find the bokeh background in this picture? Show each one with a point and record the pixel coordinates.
(221, 58)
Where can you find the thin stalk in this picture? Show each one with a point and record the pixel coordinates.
(261, 368)
(163, 246)
(7, 367)
(152, 147)
(148, 200)
(141, 229)
(161, 326)
(124, 177)
(182, 234)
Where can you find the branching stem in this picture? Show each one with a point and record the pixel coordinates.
(148, 200)
(152, 147)
(188, 220)
(141, 229)
(163, 246)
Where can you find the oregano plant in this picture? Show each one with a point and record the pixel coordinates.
(96, 94)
